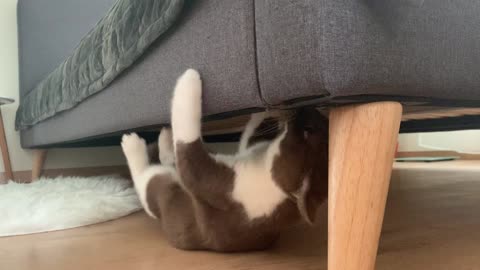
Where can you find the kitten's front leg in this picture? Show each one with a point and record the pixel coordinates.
(255, 121)
(202, 175)
(166, 154)
(135, 151)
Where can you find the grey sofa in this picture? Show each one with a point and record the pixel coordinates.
(264, 54)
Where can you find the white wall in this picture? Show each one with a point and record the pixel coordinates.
(409, 143)
(465, 141)
(21, 159)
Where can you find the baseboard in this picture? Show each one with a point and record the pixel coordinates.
(462, 156)
(25, 176)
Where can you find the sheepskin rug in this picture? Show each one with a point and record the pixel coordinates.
(64, 202)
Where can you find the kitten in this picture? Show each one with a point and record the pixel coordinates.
(230, 203)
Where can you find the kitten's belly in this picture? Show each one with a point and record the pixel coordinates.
(253, 187)
(255, 190)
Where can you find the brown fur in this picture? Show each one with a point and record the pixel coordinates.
(200, 213)
(206, 179)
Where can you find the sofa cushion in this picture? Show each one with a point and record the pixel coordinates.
(214, 36)
(337, 48)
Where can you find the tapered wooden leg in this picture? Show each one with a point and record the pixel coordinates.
(361, 151)
(39, 156)
(4, 149)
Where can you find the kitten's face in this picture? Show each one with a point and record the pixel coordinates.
(314, 188)
(312, 129)
(314, 126)
(303, 169)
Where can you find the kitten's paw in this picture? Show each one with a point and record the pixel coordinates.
(165, 147)
(190, 74)
(165, 139)
(189, 86)
(133, 145)
(257, 118)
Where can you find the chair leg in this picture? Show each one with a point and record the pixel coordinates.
(39, 156)
(361, 151)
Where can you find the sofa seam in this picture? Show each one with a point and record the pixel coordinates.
(255, 47)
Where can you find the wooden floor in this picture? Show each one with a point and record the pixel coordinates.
(432, 222)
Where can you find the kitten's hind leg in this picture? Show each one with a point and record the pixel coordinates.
(199, 172)
(187, 108)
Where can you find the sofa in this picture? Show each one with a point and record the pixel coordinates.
(262, 54)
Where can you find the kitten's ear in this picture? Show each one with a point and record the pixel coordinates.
(314, 189)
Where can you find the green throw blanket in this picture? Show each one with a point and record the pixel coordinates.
(118, 39)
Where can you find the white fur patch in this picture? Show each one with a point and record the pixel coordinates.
(228, 160)
(135, 150)
(165, 147)
(187, 107)
(253, 123)
(254, 186)
(256, 191)
(274, 148)
(141, 183)
(252, 152)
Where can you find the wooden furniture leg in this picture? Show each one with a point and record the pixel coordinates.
(4, 148)
(361, 151)
(39, 156)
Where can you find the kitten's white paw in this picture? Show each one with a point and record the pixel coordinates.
(190, 74)
(257, 118)
(165, 147)
(189, 86)
(135, 150)
(187, 107)
(133, 145)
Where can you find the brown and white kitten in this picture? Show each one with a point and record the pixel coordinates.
(235, 202)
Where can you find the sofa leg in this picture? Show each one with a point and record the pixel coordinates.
(361, 151)
(4, 150)
(39, 156)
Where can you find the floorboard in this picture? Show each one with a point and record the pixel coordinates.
(432, 222)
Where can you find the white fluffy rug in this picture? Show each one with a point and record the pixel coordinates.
(64, 202)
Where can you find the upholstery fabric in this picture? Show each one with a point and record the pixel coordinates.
(117, 40)
(214, 36)
(368, 47)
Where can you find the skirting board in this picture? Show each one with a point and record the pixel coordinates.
(25, 176)
(463, 156)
